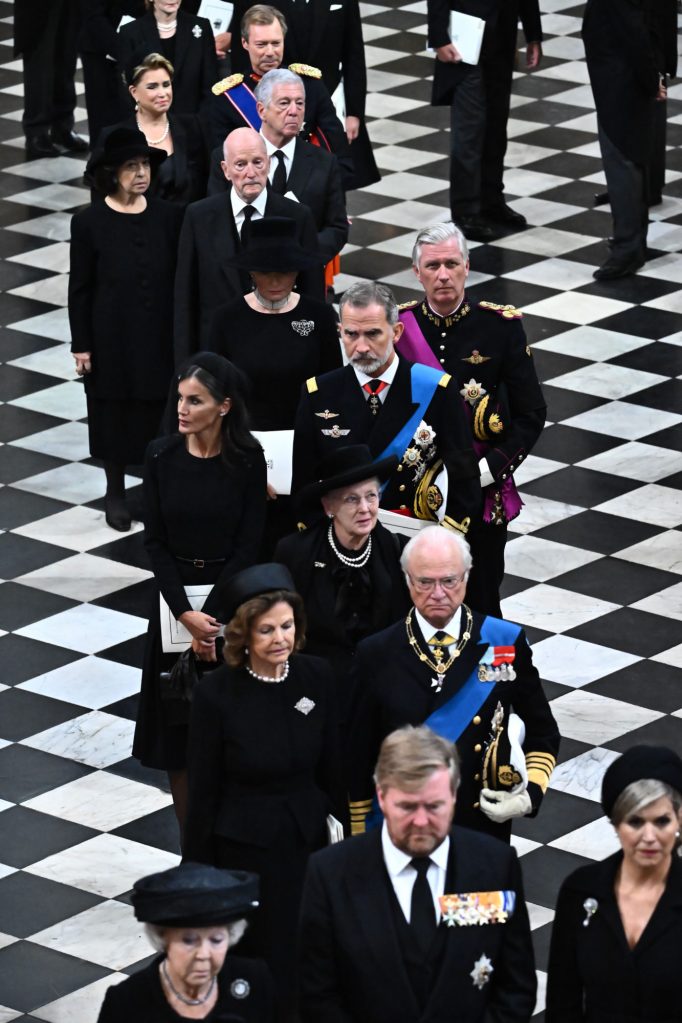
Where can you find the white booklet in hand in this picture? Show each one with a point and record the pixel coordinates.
(466, 35)
(334, 830)
(218, 13)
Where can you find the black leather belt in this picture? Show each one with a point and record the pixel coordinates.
(201, 562)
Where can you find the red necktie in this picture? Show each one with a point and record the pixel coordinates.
(374, 389)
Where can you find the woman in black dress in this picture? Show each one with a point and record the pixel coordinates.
(263, 761)
(123, 255)
(182, 176)
(204, 491)
(183, 39)
(277, 337)
(347, 566)
(193, 916)
(616, 944)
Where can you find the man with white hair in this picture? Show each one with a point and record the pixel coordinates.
(469, 677)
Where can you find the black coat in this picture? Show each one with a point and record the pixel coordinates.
(182, 177)
(133, 255)
(619, 48)
(315, 180)
(594, 976)
(352, 968)
(195, 64)
(340, 393)
(102, 17)
(394, 688)
(501, 18)
(140, 998)
(205, 281)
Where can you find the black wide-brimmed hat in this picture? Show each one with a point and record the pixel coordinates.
(254, 582)
(637, 763)
(123, 144)
(194, 895)
(273, 247)
(345, 466)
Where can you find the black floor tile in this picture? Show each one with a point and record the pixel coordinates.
(129, 550)
(646, 684)
(666, 396)
(544, 871)
(373, 264)
(19, 507)
(566, 165)
(636, 632)
(371, 232)
(621, 582)
(15, 275)
(22, 658)
(23, 714)
(15, 343)
(160, 830)
(569, 444)
(659, 357)
(366, 202)
(129, 652)
(666, 731)
(29, 904)
(670, 438)
(643, 321)
(26, 773)
(33, 975)
(556, 809)
(580, 486)
(507, 292)
(491, 259)
(18, 463)
(556, 137)
(18, 422)
(563, 404)
(597, 531)
(539, 328)
(20, 554)
(635, 288)
(27, 836)
(16, 383)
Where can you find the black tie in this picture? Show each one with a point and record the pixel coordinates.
(279, 178)
(245, 235)
(422, 915)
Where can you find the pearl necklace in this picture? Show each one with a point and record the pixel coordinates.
(154, 142)
(167, 26)
(266, 678)
(279, 303)
(359, 562)
(183, 998)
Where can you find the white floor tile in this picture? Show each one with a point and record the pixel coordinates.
(51, 290)
(531, 557)
(52, 197)
(662, 235)
(380, 104)
(539, 212)
(65, 400)
(100, 801)
(96, 739)
(400, 158)
(524, 846)
(84, 577)
(56, 361)
(53, 325)
(577, 308)
(89, 682)
(579, 97)
(663, 551)
(539, 915)
(553, 609)
(534, 467)
(53, 169)
(531, 183)
(573, 662)
(594, 719)
(404, 185)
(570, 71)
(582, 776)
(85, 628)
(410, 214)
(636, 461)
(622, 419)
(107, 934)
(520, 153)
(53, 226)
(78, 529)
(378, 81)
(604, 380)
(657, 505)
(667, 603)
(49, 257)
(595, 840)
(666, 268)
(383, 131)
(673, 656)
(561, 274)
(544, 241)
(81, 1006)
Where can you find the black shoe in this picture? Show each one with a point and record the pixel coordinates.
(39, 146)
(504, 214)
(614, 268)
(601, 199)
(117, 514)
(476, 227)
(70, 141)
(655, 200)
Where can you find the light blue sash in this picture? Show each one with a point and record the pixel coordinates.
(424, 381)
(244, 101)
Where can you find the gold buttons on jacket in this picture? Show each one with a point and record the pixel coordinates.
(476, 806)
(403, 507)
(477, 747)
(400, 468)
(477, 777)
(401, 487)
(476, 720)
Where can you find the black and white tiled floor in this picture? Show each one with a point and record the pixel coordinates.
(594, 566)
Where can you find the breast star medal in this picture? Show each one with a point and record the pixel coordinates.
(472, 391)
(480, 974)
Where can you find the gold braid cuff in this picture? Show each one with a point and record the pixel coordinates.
(540, 767)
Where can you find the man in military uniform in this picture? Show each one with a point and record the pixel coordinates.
(394, 408)
(469, 677)
(484, 348)
(233, 104)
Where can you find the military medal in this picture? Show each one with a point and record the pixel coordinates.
(437, 664)
(472, 391)
(336, 432)
(476, 358)
(480, 974)
(327, 414)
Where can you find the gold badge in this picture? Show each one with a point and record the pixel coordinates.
(327, 414)
(476, 358)
(412, 457)
(336, 431)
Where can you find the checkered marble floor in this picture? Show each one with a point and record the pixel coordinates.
(594, 564)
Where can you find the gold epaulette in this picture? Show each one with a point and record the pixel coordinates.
(226, 83)
(509, 312)
(444, 380)
(306, 69)
(311, 384)
(408, 305)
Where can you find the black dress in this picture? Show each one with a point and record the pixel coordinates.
(195, 508)
(121, 310)
(140, 998)
(263, 775)
(594, 976)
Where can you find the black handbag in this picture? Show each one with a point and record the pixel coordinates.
(177, 685)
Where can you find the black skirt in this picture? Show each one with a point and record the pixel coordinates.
(119, 431)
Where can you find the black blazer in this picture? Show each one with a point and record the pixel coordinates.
(351, 966)
(340, 392)
(393, 688)
(594, 977)
(315, 180)
(205, 281)
(141, 998)
(195, 63)
(98, 32)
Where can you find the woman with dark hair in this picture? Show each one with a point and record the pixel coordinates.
(185, 40)
(123, 255)
(204, 491)
(617, 937)
(182, 175)
(263, 761)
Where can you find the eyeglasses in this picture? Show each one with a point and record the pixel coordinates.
(355, 500)
(447, 582)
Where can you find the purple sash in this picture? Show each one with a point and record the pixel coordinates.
(414, 347)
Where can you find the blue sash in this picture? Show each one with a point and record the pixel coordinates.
(452, 718)
(424, 382)
(244, 101)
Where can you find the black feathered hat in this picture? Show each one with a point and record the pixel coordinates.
(194, 895)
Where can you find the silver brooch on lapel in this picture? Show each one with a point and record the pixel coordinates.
(590, 906)
(304, 705)
(303, 327)
(480, 974)
(197, 32)
(240, 988)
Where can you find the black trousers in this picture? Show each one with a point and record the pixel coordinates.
(102, 80)
(626, 184)
(49, 70)
(487, 543)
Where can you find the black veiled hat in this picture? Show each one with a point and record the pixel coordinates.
(273, 247)
(254, 582)
(229, 376)
(343, 467)
(637, 763)
(120, 145)
(194, 895)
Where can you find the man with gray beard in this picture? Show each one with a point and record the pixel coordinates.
(396, 408)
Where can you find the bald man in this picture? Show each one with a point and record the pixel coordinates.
(214, 231)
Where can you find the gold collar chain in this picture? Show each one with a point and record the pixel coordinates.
(446, 321)
(438, 665)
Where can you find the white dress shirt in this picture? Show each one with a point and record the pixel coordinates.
(287, 150)
(403, 875)
(238, 207)
(387, 376)
(429, 631)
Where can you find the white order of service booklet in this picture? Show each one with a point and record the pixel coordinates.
(466, 35)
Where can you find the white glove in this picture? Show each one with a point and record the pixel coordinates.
(502, 806)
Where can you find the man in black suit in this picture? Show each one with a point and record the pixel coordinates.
(479, 96)
(396, 409)
(419, 920)
(470, 677)
(212, 233)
